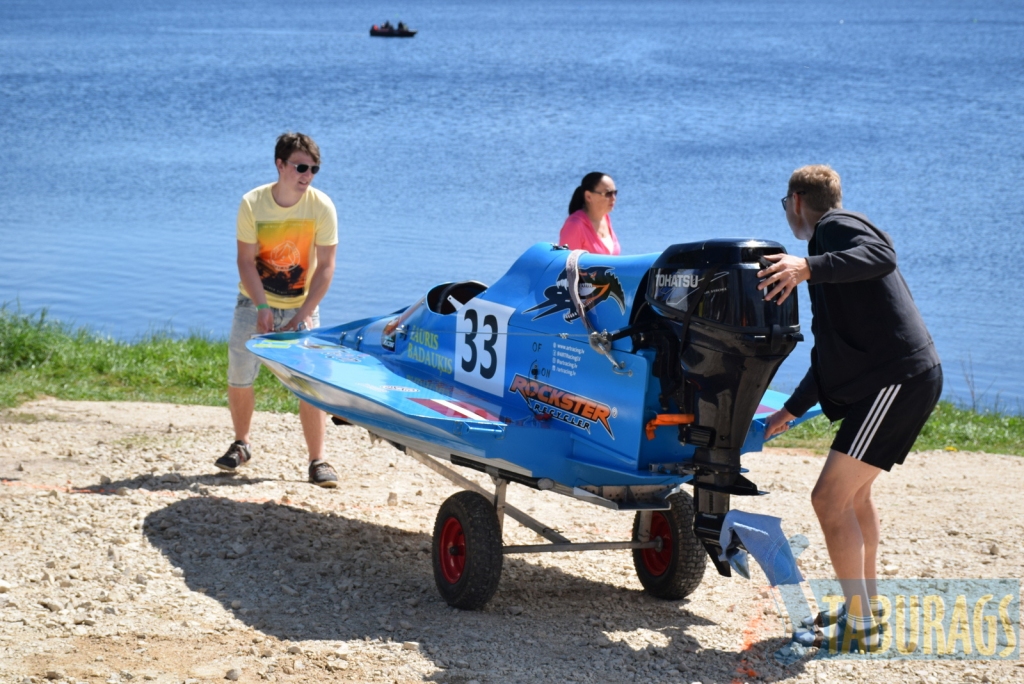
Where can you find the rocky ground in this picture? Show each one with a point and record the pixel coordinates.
(125, 556)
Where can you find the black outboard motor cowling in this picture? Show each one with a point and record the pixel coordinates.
(731, 344)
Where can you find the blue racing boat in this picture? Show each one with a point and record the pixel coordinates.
(613, 380)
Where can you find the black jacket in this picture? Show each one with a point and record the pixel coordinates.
(868, 333)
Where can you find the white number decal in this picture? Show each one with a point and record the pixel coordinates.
(481, 331)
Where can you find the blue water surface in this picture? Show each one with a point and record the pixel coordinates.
(130, 130)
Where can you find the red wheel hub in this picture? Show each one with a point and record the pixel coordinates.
(655, 561)
(452, 550)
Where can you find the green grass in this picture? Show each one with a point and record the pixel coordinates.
(950, 427)
(42, 357)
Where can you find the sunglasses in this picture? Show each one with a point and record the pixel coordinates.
(607, 194)
(303, 168)
(786, 198)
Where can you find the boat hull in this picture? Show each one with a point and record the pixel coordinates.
(446, 421)
(377, 33)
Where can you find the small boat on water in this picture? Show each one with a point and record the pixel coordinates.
(386, 30)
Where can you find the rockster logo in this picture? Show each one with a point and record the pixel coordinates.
(567, 407)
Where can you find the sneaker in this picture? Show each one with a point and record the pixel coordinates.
(866, 640)
(322, 474)
(238, 454)
(826, 619)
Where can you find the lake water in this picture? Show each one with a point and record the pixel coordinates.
(130, 130)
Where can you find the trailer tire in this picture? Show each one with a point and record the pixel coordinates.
(467, 553)
(677, 570)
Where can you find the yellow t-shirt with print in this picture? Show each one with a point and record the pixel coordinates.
(287, 239)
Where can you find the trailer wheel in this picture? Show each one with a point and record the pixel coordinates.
(675, 571)
(467, 550)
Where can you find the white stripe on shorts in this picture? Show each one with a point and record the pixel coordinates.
(874, 418)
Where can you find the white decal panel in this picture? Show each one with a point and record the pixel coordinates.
(481, 333)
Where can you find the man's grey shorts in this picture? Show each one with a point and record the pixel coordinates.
(243, 365)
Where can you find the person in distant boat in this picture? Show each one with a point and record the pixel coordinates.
(287, 236)
(402, 26)
(387, 26)
(589, 225)
(873, 366)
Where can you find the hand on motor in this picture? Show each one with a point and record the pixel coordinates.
(777, 423)
(783, 276)
(265, 321)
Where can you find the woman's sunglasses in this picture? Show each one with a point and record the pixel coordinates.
(303, 168)
(607, 194)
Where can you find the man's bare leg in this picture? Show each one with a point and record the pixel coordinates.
(870, 530)
(241, 402)
(833, 499)
(314, 427)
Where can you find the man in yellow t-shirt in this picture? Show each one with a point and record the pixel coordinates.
(287, 238)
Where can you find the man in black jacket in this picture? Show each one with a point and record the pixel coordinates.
(873, 365)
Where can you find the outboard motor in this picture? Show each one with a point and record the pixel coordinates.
(731, 343)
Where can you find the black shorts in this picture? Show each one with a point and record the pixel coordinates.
(881, 429)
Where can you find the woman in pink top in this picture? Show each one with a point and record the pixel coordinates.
(589, 226)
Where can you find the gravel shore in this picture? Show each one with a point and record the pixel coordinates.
(124, 555)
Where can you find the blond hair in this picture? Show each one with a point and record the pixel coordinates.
(819, 185)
